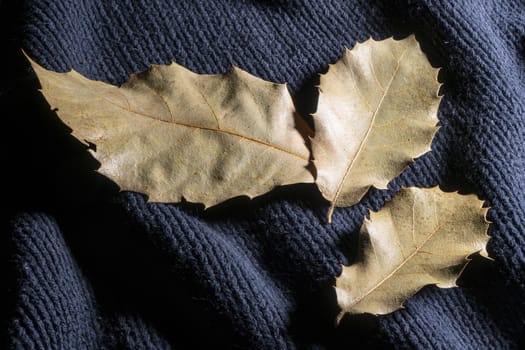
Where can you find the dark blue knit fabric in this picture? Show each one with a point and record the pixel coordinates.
(92, 268)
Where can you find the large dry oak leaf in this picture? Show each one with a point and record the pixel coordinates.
(172, 134)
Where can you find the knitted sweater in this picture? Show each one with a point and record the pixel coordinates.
(90, 267)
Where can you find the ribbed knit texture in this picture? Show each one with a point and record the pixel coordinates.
(92, 268)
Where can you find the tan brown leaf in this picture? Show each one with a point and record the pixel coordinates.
(172, 134)
(377, 111)
(421, 237)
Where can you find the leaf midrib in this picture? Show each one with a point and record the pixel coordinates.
(228, 132)
(363, 141)
(398, 267)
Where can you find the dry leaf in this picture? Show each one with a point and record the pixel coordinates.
(172, 134)
(421, 237)
(377, 111)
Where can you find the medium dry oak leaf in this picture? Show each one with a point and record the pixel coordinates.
(377, 111)
(421, 237)
(172, 134)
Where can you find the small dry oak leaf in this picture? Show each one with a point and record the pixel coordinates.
(421, 237)
(172, 134)
(377, 111)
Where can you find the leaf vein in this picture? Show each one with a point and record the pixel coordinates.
(228, 132)
(401, 264)
(363, 141)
